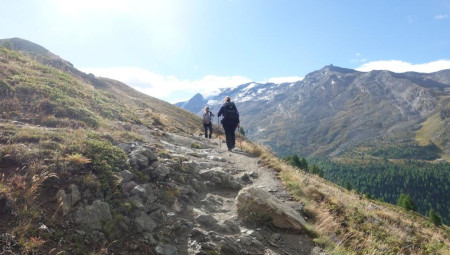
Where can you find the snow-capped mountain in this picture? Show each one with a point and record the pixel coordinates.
(243, 96)
(335, 109)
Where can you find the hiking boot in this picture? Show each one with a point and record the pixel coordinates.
(230, 150)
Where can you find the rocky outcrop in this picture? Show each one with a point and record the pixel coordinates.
(256, 206)
(92, 217)
(67, 201)
(177, 203)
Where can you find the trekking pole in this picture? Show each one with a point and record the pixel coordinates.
(239, 131)
(218, 127)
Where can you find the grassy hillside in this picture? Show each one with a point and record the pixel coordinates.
(60, 127)
(40, 94)
(347, 222)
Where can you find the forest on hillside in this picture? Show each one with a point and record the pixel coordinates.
(428, 184)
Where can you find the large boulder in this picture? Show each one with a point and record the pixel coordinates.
(217, 178)
(144, 223)
(91, 217)
(75, 195)
(257, 206)
(63, 201)
(141, 157)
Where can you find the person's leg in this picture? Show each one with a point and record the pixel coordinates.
(233, 136)
(228, 135)
(206, 130)
(210, 129)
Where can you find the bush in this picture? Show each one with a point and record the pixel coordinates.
(434, 217)
(406, 202)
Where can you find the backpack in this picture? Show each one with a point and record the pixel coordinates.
(207, 118)
(230, 112)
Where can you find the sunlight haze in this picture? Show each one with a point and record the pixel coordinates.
(174, 49)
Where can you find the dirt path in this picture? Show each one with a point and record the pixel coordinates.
(244, 167)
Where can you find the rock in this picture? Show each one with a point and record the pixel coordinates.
(166, 249)
(43, 228)
(256, 206)
(199, 235)
(138, 161)
(144, 223)
(145, 191)
(212, 203)
(254, 175)
(63, 202)
(126, 175)
(230, 246)
(138, 204)
(90, 217)
(5, 205)
(138, 190)
(141, 157)
(220, 179)
(157, 171)
(190, 167)
(96, 237)
(216, 158)
(127, 147)
(275, 238)
(228, 227)
(246, 178)
(128, 186)
(75, 195)
(207, 220)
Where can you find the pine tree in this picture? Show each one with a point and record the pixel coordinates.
(303, 164)
(434, 217)
(348, 185)
(242, 131)
(406, 202)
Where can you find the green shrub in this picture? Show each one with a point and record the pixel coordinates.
(406, 202)
(434, 217)
(5, 87)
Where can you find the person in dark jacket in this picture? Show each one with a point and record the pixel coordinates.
(230, 121)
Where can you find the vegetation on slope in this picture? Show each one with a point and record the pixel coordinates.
(348, 223)
(57, 129)
(428, 184)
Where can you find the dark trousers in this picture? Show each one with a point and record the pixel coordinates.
(208, 126)
(229, 134)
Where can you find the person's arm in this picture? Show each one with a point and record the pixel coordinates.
(220, 111)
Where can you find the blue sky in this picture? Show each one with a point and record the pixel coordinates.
(174, 49)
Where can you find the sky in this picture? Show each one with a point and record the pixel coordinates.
(173, 49)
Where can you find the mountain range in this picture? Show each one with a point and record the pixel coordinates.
(89, 165)
(336, 110)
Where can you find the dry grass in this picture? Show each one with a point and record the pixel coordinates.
(347, 223)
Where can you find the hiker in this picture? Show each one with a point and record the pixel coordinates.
(230, 121)
(207, 123)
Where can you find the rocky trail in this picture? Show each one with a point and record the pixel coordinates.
(216, 225)
(182, 195)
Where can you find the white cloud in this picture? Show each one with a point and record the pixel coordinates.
(168, 88)
(410, 19)
(358, 59)
(284, 79)
(440, 16)
(399, 66)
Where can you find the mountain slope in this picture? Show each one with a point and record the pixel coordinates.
(103, 169)
(383, 133)
(335, 109)
(51, 92)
